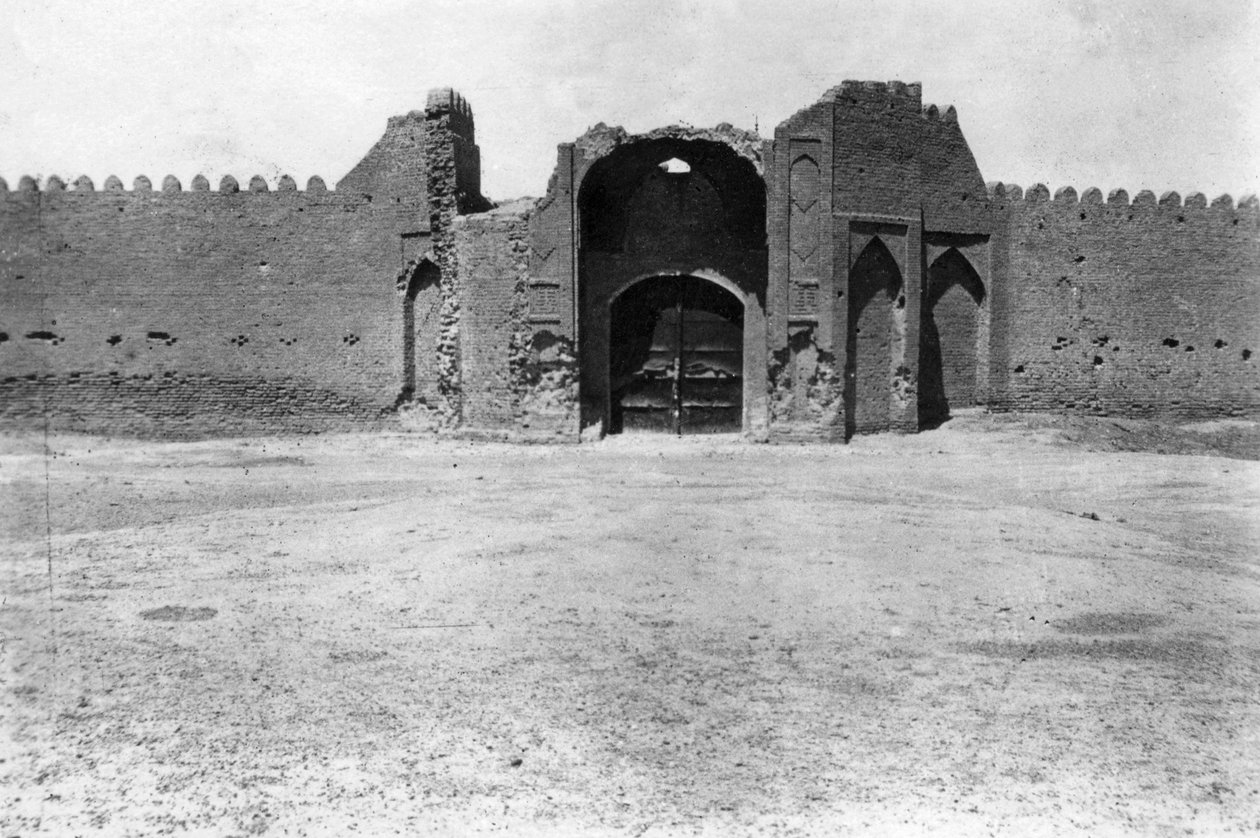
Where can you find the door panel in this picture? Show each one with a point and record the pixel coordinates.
(676, 358)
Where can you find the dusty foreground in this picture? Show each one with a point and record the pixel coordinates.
(985, 629)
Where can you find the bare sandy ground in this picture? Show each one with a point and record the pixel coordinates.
(985, 629)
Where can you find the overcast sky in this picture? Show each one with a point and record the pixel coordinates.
(1157, 94)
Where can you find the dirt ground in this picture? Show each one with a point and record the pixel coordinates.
(1011, 625)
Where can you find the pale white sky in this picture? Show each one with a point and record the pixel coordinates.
(1158, 94)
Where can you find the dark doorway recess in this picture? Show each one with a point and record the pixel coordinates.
(875, 297)
(675, 361)
(947, 338)
(422, 297)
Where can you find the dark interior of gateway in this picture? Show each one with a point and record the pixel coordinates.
(672, 192)
(676, 357)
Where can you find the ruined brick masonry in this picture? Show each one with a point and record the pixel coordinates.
(854, 273)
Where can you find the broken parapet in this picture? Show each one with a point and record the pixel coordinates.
(601, 140)
(897, 93)
(450, 141)
(444, 100)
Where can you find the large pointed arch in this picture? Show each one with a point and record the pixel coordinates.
(419, 283)
(876, 328)
(949, 338)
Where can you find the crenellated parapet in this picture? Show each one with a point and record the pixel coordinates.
(1067, 197)
(171, 185)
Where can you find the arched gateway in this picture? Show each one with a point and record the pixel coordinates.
(676, 357)
(671, 285)
(688, 280)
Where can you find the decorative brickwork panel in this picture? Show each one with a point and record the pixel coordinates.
(804, 222)
(804, 300)
(544, 302)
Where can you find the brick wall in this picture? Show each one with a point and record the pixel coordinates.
(493, 254)
(1137, 308)
(173, 312)
(201, 312)
(197, 312)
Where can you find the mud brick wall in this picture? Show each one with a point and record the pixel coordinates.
(201, 312)
(1137, 308)
(518, 380)
(492, 250)
(197, 312)
(393, 177)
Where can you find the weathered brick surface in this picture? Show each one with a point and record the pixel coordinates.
(882, 285)
(493, 257)
(280, 291)
(1132, 308)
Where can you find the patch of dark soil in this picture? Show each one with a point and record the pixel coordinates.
(259, 462)
(356, 656)
(178, 614)
(1237, 439)
(1102, 622)
(1138, 650)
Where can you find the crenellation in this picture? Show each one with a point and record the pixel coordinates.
(1065, 195)
(1144, 198)
(1119, 197)
(1225, 202)
(170, 185)
(1170, 199)
(1093, 196)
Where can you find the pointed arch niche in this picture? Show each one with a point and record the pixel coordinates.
(875, 340)
(422, 299)
(951, 338)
